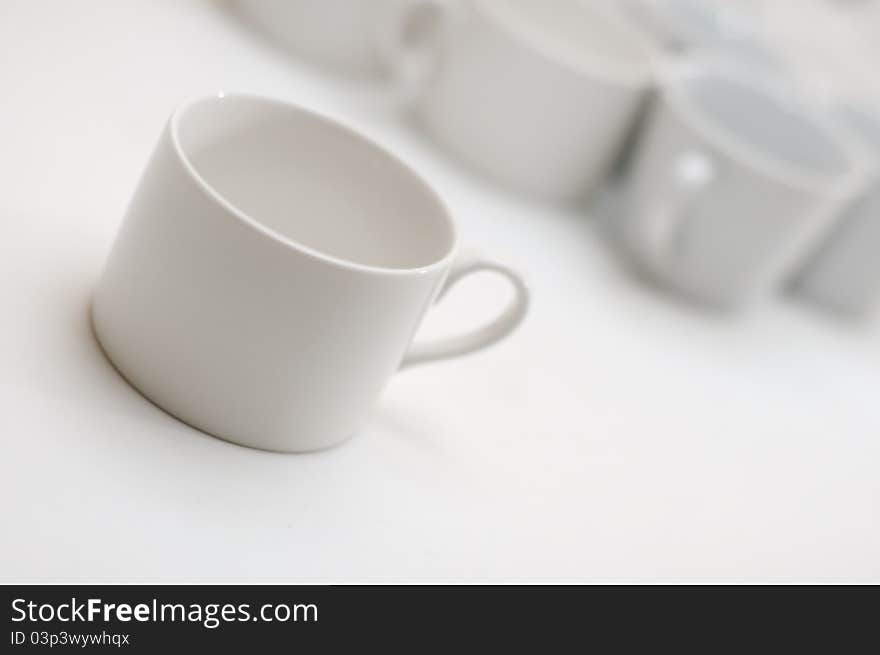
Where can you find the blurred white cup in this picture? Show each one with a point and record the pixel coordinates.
(844, 271)
(338, 33)
(733, 181)
(539, 95)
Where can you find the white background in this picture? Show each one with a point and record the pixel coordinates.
(620, 436)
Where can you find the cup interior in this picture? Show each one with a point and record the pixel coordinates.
(583, 35)
(313, 183)
(768, 125)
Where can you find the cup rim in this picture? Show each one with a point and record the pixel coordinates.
(606, 68)
(674, 77)
(352, 134)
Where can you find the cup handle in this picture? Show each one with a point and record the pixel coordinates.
(483, 336)
(407, 45)
(693, 172)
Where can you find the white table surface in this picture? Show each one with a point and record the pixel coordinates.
(618, 437)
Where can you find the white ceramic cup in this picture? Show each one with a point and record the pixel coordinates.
(539, 95)
(341, 34)
(271, 271)
(844, 271)
(734, 180)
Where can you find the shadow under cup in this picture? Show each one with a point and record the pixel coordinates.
(312, 182)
